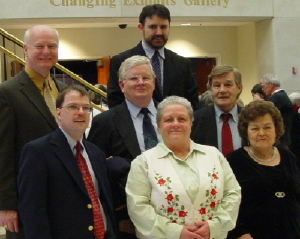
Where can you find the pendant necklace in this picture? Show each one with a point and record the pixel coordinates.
(263, 160)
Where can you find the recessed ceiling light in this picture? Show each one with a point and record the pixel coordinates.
(185, 24)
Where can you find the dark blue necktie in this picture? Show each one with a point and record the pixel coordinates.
(150, 137)
(157, 70)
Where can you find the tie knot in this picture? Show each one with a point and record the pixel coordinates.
(226, 117)
(144, 111)
(78, 146)
(156, 54)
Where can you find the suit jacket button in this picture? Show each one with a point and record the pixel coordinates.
(89, 206)
(91, 228)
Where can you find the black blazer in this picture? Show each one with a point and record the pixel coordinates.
(284, 104)
(177, 78)
(53, 201)
(24, 116)
(204, 129)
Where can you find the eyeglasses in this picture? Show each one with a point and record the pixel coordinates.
(136, 78)
(73, 107)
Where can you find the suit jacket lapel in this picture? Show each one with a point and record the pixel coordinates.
(65, 155)
(124, 125)
(35, 97)
(168, 71)
(211, 129)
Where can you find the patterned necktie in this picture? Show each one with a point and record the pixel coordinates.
(150, 137)
(50, 101)
(227, 145)
(98, 218)
(156, 67)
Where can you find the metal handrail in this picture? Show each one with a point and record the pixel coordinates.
(57, 65)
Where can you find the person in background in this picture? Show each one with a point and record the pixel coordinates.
(271, 87)
(269, 177)
(120, 131)
(206, 99)
(27, 109)
(257, 92)
(180, 189)
(217, 125)
(63, 186)
(295, 129)
(173, 72)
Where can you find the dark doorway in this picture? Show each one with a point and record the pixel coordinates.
(201, 68)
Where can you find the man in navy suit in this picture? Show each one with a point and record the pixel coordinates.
(25, 116)
(119, 132)
(225, 84)
(271, 87)
(54, 201)
(176, 77)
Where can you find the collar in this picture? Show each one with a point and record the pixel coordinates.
(233, 112)
(72, 142)
(135, 110)
(150, 51)
(275, 91)
(163, 150)
(36, 77)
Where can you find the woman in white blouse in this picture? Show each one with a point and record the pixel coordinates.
(180, 189)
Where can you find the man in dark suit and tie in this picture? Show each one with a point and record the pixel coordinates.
(27, 105)
(225, 84)
(63, 186)
(173, 72)
(271, 87)
(119, 131)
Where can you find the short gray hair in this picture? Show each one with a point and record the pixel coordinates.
(224, 69)
(270, 78)
(134, 61)
(28, 31)
(294, 97)
(174, 100)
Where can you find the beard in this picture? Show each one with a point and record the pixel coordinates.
(157, 42)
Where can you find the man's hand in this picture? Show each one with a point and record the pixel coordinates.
(9, 219)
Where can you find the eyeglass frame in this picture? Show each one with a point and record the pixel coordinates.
(75, 107)
(139, 77)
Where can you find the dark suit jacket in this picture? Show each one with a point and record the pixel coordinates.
(204, 129)
(24, 116)
(53, 201)
(113, 132)
(177, 78)
(283, 103)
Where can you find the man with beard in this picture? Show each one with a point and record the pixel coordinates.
(173, 72)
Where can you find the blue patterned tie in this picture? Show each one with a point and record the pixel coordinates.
(150, 137)
(157, 70)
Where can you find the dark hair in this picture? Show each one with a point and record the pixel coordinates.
(155, 9)
(74, 87)
(257, 109)
(257, 89)
(97, 98)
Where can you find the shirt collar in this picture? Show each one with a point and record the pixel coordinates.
(135, 110)
(275, 91)
(150, 51)
(72, 142)
(36, 77)
(163, 150)
(233, 112)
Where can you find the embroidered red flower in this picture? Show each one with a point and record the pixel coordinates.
(170, 197)
(202, 211)
(209, 218)
(174, 221)
(161, 182)
(182, 213)
(213, 192)
(215, 176)
(170, 209)
(212, 204)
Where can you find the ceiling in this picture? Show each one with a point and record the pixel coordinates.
(114, 22)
